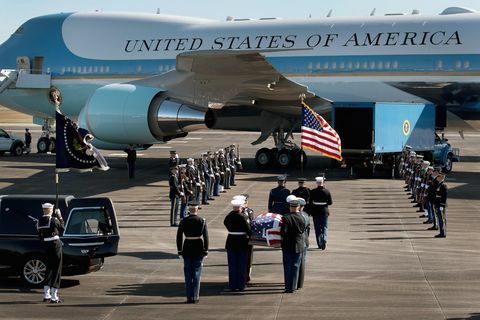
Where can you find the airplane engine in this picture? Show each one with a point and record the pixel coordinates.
(130, 114)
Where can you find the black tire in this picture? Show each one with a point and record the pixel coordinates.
(52, 147)
(33, 271)
(17, 150)
(263, 157)
(448, 164)
(284, 158)
(43, 144)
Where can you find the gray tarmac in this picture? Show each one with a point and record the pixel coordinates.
(380, 262)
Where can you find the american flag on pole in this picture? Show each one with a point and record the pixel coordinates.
(318, 135)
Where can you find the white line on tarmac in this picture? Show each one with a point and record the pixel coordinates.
(160, 147)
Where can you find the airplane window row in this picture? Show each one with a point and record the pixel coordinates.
(85, 69)
(350, 65)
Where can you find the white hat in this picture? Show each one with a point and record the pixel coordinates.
(47, 205)
(290, 198)
(190, 160)
(240, 197)
(237, 203)
(302, 201)
(319, 179)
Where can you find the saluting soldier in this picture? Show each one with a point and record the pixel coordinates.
(293, 244)
(277, 199)
(49, 230)
(441, 204)
(302, 191)
(237, 245)
(193, 250)
(320, 199)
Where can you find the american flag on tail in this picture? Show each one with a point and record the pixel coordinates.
(266, 230)
(318, 135)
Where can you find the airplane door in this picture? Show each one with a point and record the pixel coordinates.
(91, 228)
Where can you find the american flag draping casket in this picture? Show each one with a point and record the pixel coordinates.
(266, 230)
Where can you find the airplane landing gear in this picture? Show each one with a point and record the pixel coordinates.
(287, 154)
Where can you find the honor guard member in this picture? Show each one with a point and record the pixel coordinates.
(277, 199)
(233, 164)
(174, 195)
(249, 216)
(193, 250)
(49, 229)
(194, 178)
(237, 245)
(431, 192)
(302, 191)
(205, 171)
(306, 234)
(173, 161)
(320, 199)
(441, 204)
(293, 244)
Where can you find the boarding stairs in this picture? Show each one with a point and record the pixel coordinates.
(24, 79)
(7, 77)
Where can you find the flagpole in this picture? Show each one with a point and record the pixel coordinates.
(302, 97)
(56, 189)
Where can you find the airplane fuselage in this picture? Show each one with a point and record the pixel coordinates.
(388, 58)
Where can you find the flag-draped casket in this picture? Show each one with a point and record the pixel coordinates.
(266, 230)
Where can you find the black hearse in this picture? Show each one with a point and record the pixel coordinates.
(91, 234)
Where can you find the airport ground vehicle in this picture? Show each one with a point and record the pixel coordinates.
(91, 234)
(10, 143)
(374, 134)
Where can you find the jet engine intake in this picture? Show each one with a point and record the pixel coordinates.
(131, 114)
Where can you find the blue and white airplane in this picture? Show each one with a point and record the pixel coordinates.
(142, 79)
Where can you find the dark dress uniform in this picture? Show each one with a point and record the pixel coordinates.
(173, 162)
(293, 245)
(49, 230)
(277, 200)
(303, 261)
(131, 158)
(440, 205)
(193, 250)
(320, 199)
(302, 192)
(174, 195)
(237, 248)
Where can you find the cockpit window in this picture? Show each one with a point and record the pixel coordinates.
(88, 221)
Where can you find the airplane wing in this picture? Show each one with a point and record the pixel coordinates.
(217, 78)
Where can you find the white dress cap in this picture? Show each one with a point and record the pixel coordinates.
(319, 179)
(47, 206)
(237, 203)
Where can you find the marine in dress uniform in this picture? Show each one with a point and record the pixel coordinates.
(293, 244)
(49, 230)
(302, 191)
(237, 245)
(131, 158)
(28, 141)
(431, 191)
(441, 204)
(193, 250)
(277, 202)
(320, 199)
(205, 172)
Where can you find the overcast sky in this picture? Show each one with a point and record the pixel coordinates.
(15, 12)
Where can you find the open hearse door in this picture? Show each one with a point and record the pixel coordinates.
(91, 229)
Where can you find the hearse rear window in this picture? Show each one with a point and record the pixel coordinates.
(88, 222)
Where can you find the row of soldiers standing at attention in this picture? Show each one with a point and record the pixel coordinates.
(200, 180)
(427, 188)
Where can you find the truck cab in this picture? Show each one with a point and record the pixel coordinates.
(444, 154)
(91, 234)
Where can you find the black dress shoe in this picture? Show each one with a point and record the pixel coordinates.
(205, 203)
(46, 299)
(56, 301)
(288, 291)
(211, 199)
(427, 222)
(233, 184)
(432, 228)
(440, 236)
